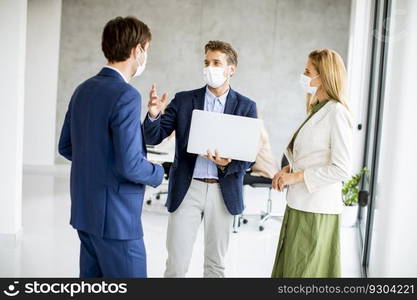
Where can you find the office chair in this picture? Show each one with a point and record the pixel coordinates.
(237, 221)
(256, 182)
(266, 215)
(259, 182)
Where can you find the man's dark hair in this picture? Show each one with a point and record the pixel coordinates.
(225, 48)
(121, 35)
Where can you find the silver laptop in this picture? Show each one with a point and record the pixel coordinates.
(234, 137)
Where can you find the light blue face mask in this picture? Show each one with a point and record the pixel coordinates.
(305, 84)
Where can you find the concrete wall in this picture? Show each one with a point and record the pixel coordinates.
(273, 38)
(42, 59)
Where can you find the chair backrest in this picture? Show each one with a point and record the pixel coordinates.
(261, 185)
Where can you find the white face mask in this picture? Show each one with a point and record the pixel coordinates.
(214, 76)
(305, 84)
(141, 67)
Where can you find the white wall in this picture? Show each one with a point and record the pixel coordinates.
(394, 238)
(42, 59)
(12, 52)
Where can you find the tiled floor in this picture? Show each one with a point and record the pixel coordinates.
(50, 247)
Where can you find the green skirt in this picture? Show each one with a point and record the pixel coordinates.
(308, 245)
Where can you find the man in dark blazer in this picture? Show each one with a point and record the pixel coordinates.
(102, 137)
(206, 187)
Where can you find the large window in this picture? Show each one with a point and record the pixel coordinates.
(388, 219)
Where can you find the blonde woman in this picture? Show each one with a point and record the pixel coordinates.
(319, 156)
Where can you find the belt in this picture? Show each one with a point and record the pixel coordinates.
(207, 180)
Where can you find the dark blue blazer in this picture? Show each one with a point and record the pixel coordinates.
(102, 136)
(177, 116)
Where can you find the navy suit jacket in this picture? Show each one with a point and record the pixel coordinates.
(102, 136)
(177, 116)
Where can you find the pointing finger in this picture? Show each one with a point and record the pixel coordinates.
(152, 92)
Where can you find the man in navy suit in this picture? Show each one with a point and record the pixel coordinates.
(102, 137)
(206, 187)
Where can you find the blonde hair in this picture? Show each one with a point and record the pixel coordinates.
(331, 68)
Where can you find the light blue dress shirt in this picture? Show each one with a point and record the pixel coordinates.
(205, 168)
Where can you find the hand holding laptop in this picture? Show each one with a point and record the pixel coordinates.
(235, 137)
(217, 159)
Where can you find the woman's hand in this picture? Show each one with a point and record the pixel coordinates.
(283, 179)
(284, 170)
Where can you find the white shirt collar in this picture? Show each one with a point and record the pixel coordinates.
(222, 98)
(117, 70)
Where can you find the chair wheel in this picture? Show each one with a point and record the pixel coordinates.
(148, 202)
(262, 216)
(261, 228)
(245, 221)
(158, 197)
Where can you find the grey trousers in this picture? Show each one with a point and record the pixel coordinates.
(203, 202)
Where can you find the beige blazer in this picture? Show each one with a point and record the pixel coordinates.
(322, 149)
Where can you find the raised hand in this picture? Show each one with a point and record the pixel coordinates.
(156, 104)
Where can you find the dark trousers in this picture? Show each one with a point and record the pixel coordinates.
(100, 257)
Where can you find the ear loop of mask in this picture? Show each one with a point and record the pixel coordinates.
(142, 52)
(311, 79)
(231, 73)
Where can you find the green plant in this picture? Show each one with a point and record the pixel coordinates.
(350, 189)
